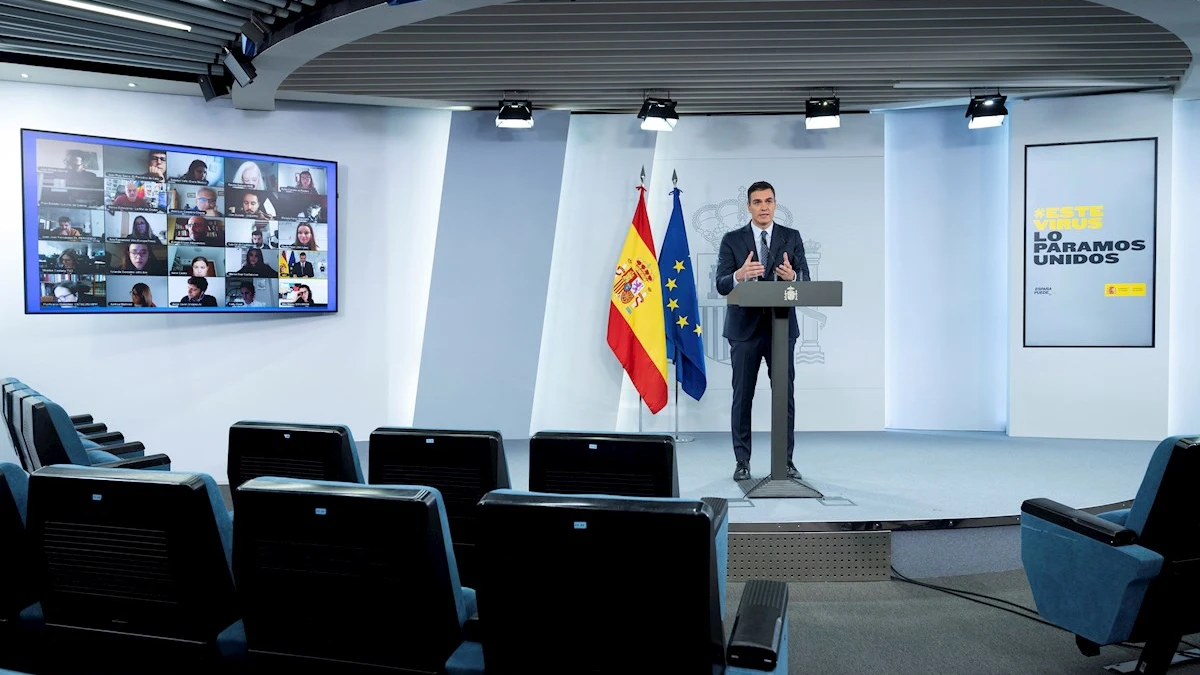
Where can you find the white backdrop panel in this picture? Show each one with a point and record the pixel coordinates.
(579, 379)
(829, 186)
(1115, 393)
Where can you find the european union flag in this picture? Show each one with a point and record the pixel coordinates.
(684, 343)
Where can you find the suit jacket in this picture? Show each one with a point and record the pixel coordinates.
(743, 323)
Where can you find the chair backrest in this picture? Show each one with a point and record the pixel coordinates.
(23, 425)
(631, 465)
(11, 421)
(18, 590)
(348, 573)
(50, 437)
(462, 465)
(619, 584)
(286, 450)
(137, 553)
(1166, 511)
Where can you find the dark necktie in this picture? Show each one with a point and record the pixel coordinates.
(763, 254)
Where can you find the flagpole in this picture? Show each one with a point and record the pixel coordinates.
(675, 361)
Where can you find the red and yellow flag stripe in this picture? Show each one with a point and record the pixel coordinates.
(636, 332)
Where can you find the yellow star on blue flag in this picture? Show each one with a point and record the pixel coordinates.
(681, 307)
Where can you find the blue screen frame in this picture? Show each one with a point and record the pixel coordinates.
(30, 187)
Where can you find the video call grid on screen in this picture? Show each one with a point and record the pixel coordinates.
(119, 226)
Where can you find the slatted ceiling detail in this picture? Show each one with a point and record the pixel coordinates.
(749, 55)
(36, 28)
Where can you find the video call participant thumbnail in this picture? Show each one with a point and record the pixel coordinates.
(248, 232)
(144, 227)
(135, 195)
(204, 200)
(184, 167)
(72, 291)
(136, 257)
(196, 293)
(309, 293)
(197, 230)
(71, 257)
(71, 174)
(137, 292)
(248, 262)
(255, 204)
(250, 293)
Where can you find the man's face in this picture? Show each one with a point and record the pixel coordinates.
(247, 294)
(131, 190)
(206, 200)
(139, 254)
(762, 207)
(193, 292)
(250, 203)
(75, 163)
(64, 295)
(157, 163)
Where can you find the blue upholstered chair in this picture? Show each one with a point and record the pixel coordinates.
(1126, 575)
(355, 577)
(133, 568)
(94, 434)
(19, 613)
(463, 465)
(623, 584)
(49, 438)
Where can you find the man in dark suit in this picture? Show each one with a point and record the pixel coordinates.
(303, 268)
(762, 250)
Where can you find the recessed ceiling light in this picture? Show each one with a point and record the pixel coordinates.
(25, 75)
(132, 84)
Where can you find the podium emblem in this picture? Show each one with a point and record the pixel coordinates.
(790, 294)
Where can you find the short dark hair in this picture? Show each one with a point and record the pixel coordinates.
(759, 186)
(199, 282)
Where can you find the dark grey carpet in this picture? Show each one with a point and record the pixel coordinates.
(895, 627)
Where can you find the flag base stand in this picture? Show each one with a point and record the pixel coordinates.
(683, 439)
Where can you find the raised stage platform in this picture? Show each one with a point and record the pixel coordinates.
(929, 503)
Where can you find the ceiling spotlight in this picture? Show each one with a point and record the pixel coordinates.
(25, 75)
(822, 113)
(658, 114)
(986, 111)
(131, 84)
(515, 115)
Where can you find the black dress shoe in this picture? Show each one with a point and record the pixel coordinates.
(793, 472)
(742, 472)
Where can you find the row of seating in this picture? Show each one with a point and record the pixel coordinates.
(135, 569)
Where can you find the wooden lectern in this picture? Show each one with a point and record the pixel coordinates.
(782, 297)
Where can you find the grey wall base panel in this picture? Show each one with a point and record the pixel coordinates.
(810, 556)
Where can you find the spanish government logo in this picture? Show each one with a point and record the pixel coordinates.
(712, 221)
(790, 294)
(631, 285)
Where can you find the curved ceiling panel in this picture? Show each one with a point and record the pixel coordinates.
(75, 36)
(719, 56)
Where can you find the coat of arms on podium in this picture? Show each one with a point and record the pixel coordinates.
(712, 221)
(790, 294)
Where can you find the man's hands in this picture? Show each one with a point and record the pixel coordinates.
(785, 271)
(749, 269)
(752, 268)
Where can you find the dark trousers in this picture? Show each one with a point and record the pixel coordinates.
(745, 356)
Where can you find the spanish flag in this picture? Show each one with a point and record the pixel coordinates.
(636, 332)
(283, 265)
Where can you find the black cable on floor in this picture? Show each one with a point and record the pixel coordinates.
(1031, 615)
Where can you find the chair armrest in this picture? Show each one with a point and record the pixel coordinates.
(160, 462)
(106, 437)
(759, 636)
(81, 419)
(125, 450)
(1079, 522)
(91, 428)
(720, 507)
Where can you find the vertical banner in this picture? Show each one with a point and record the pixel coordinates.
(1090, 215)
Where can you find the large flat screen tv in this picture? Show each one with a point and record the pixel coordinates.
(120, 226)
